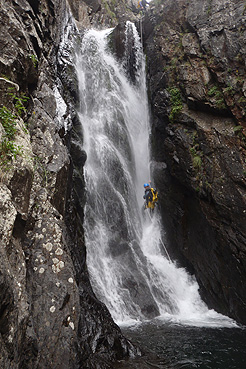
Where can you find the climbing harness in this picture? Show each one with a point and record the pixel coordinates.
(152, 204)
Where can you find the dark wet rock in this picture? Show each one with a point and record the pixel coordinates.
(195, 57)
(122, 43)
(117, 40)
(49, 315)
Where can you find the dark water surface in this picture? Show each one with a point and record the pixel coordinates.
(172, 346)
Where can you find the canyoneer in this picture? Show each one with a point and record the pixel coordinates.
(142, 4)
(150, 196)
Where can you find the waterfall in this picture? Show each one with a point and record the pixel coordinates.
(127, 261)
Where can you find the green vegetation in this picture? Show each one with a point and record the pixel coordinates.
(19, 103)
(176, 103)
(197, 162)
(229, 90)
(209, 10)
(242, 100)
(174, 62)
(7, 118)
(238, 130)
(8, 149)
(213, 90)
(202, 183)
(218, 96)
(196, 154)
(110, 8)
(239, 58)
(240, 133)
(5, 77)
(34, 60)
(196, 157)
(239, 79)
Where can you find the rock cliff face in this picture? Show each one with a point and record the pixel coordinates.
(196, 74)
(49, 315)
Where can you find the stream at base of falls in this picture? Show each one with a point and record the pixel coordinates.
(173, 346)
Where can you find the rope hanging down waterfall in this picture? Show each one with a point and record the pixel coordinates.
(162, 243)
(141, 29)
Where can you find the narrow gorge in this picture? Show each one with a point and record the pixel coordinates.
(86, 119)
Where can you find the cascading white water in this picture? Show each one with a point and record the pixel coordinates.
(129, 269)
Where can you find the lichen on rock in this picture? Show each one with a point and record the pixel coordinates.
(49, 314)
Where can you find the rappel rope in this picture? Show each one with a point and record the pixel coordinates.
(165, 249)
(141, 30)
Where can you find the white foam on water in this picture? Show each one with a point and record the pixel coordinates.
(127, 260)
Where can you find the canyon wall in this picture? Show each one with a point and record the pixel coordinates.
(49, 315)
(196, 73)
